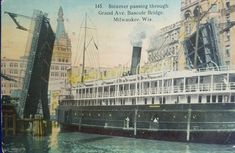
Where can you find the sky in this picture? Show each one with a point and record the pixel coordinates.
(114, 39)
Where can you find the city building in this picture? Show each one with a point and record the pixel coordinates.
(13, 69)
(222, 13)
(61, 59)
(164, 49)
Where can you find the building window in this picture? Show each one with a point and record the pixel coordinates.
(227, 52)
(197, 11)
(214, 8)
(187, 15)
(152, 100)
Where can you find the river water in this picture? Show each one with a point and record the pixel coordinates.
(74, 142)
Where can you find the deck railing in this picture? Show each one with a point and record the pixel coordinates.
(193, 88)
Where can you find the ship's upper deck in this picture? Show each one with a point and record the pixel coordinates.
(161, 75)
(161, 86)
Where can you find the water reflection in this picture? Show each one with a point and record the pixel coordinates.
(54, 136)
(59, 142)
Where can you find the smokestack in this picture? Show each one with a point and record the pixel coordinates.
(137, 36)
(135, 62)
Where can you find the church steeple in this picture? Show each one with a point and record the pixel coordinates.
(60, 30)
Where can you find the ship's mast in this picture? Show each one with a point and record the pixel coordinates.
(84, 50)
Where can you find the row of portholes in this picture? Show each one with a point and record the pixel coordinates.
(153, 119)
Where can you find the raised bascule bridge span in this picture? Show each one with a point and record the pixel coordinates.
(39, 49)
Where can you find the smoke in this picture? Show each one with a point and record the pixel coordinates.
(139, 33)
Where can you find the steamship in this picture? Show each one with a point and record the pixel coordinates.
(193, 105)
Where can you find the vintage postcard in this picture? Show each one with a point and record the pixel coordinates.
(118, 76)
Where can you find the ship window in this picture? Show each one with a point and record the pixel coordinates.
(160, 100)
(177, 99)
(155, 84)
(213, 98)
(189, 99)
(220, 99)
(164, 100)
(208, 99)
(147, 84)
(200, 99)
(232, 98)
(133, 102)
(153, 100)
(145, 101)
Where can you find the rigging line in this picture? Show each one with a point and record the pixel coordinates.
(89, 19)
(90, 51)
(96, 42)
(78, 41)
(90, 57)
(93, 53)
(79, 52)
(77, 47)
(93, 56)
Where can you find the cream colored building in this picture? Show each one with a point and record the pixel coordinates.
(164, 48)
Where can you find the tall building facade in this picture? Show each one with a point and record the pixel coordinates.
(61, 59)
(222, 12)
(168, 48)
(164, 48)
